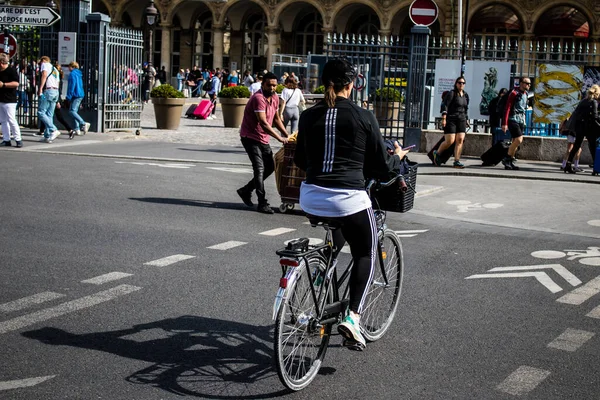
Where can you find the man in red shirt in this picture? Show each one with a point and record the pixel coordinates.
(260, 115)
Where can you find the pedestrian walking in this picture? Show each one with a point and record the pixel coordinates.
(260, 115)
(74, 98)
(149, 77)
(292, 97)
(248, 80)
(9, 82)
(587, 125)
(48, 97)
(161, 76)
(513, 120)
(455, 115)
(255, 87)
(213, 92)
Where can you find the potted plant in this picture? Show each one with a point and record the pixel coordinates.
(319, 90)
(233, 103)
(387, 106)
(168, 106)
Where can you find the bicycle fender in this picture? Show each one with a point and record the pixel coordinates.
(289, 278)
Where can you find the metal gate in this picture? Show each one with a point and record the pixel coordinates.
(383, 76)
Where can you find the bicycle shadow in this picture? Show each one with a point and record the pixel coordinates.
(192, 356)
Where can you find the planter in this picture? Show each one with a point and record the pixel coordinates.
(167, 112)
(233, 111)
(387, 113)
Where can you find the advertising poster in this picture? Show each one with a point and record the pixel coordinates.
(484, 80)
(557, 92)
(591, 76)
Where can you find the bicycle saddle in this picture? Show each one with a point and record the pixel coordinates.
(321, 221)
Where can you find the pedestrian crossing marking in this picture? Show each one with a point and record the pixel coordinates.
(571, 339)
(174, 165)
(23, 383)
(227, 245)
(410, 233)
(163, 262)
(29, 301)
(523, 380)
(581, 294)
(111, 276)
(276, 232)
(234, 170)
(66, 308)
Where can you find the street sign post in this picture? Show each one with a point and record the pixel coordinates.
(29, 16)
(423, 12)
(8, 44)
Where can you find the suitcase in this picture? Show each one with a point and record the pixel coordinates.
(204, 109)
(495, 154)
(444, 157)
(190, 111)
(499, 136)
(596, 169)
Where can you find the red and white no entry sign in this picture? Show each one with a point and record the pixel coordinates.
(12, 45)
(423, 12)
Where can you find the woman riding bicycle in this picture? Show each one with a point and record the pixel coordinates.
(340, 146)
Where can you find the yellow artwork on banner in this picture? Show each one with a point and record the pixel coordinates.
(557, 92)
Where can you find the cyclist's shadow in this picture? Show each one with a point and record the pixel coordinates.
(194, 356)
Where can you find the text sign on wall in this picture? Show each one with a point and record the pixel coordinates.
(30, 16)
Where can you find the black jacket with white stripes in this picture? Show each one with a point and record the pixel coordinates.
(341, 147)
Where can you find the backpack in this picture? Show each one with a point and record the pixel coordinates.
(501, 107)
(208, 85)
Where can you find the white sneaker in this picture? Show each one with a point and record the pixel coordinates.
(54, 135)
(350, 331)
(78, 133)
(86, 128)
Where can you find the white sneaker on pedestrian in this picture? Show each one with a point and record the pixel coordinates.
(349, 329)
(86, 128)
(54, 135)
(38, 134)
(78, 133)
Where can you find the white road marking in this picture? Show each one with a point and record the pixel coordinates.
(413, 231)
(29, 301)
(593, 261)
(571, 339)
(562, 271)
(523, 380)
(581, 294)
(595, 313)
(111, 276)
(594, 222)
(407, 236)
(66, 308)
(234, 170)
(276, 232)
(458, 202)
(548, 254)
(541, 277)
(23, 383)
(163, 262)
(55, 145)
(227, 245)
(178, 165)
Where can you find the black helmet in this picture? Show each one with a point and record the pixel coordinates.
(338, 71)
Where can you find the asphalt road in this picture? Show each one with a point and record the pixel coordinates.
(123, 279)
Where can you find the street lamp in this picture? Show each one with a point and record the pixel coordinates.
(151, 13)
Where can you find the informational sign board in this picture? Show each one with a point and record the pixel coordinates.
(67, 47)
(29, 16)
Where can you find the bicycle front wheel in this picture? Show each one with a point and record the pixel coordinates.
(382, 299)
(300, 342)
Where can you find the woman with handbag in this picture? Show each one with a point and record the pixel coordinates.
(293, 101)
(587, 125)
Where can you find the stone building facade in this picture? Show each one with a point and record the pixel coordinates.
(246, 33)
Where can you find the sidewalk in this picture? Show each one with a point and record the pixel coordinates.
(212, 133)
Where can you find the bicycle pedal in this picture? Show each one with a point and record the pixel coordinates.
(352, 345)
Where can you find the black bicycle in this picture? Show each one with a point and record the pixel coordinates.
(309, 301)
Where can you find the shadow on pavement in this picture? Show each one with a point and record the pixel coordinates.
(191, 355)
(224, 151)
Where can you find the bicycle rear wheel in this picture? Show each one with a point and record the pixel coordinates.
(300, 343)
(382, 300)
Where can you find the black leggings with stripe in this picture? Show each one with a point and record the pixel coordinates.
(360, 231)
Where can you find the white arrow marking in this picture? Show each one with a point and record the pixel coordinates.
(562, 271)
(23, 383)
(542, 278)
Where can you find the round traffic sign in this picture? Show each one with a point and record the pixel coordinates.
(423, 12)
(12, 45)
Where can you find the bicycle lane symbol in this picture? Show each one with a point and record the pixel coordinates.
(465, 206)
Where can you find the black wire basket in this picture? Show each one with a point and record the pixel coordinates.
(399, 196)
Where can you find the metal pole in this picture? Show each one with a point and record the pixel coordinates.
(463, 53)
(151, 40)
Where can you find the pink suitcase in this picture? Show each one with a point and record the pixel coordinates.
(203, 110)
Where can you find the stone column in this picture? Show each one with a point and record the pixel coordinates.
(273, 38)
(165, 50)
(218, 47)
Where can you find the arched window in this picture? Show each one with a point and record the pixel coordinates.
(255, 43)
(365, 25)
(494, 32)
(309, 35)
(561, 33)
(203, 40)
